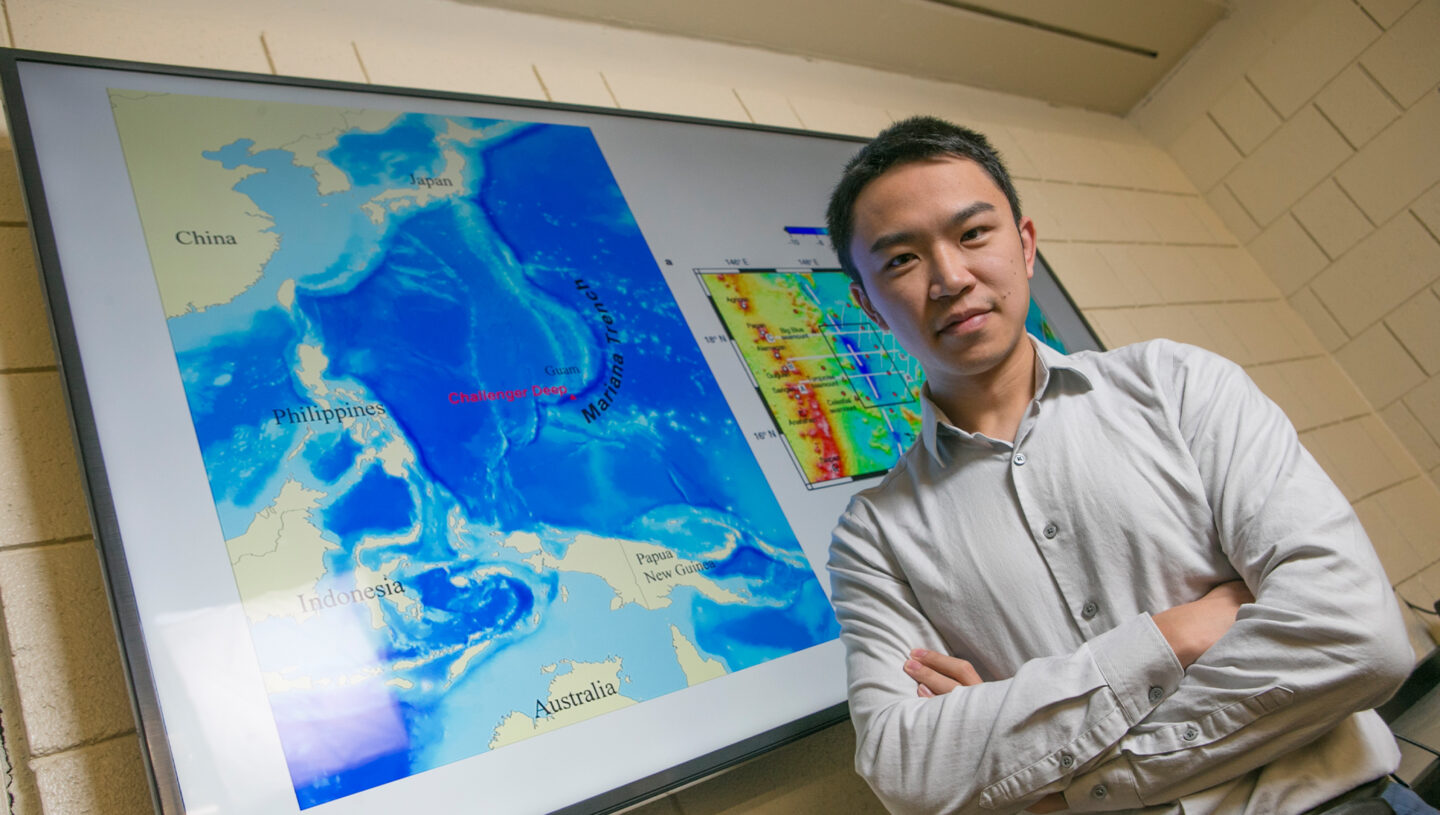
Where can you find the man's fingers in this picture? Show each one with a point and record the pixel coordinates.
(939, 673)
(929, 679)
(957, 669)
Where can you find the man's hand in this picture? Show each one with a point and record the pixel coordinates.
(935, 673)
(1193, 627)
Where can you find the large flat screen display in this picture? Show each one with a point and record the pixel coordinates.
(454, 454)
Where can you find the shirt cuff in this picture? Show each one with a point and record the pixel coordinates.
(1138, 665)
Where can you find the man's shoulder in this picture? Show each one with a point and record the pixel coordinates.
(1150, 365)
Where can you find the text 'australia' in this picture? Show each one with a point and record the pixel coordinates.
(575, 699)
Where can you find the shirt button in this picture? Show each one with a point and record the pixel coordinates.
(1051, 530)
(1098, 791)
(1089, 610)
(1156, 694)
(1019, 459)
(1067, 761)
(1191, 734)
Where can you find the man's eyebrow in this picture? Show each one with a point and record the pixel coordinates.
(886, 241)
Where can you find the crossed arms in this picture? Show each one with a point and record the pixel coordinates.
(1144, 713)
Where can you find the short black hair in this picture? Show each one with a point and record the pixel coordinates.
(915, 139)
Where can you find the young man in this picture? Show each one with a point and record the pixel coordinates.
(1101, 582)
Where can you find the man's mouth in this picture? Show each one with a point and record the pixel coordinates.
(964, 321)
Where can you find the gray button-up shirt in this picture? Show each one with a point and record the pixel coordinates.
(1138, 480)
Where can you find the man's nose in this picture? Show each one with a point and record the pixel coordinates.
(949, 274)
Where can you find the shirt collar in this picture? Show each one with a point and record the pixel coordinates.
(1047, 359)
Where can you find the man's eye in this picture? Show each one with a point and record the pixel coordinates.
(899, 260)
(972, 234)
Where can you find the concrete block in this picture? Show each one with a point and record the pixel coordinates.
(67, 663)
(1173, 273)
(1417, 626)
(1412, 435)
(1133, 223)
(1087, 160)
(1414, 509)
(1380, 365)
(1085, 275)
(1386, 12)
(1114, 326)
(1017, 161)
(449, 63)
(1318, 47)
(679, 97)
(768, 107)
(1427, 209)
(100, 779)
(1171, 217)
(1424, 405)
(1300, 155)
(1038, 147)
(1327, 331)
(814, 776)
(190, 35)
(1416, 324)
(1148, 168)
(1356, 106)
(1263, 329)
(1288, 255)
(1332, 219)
(313, 54)
(1397, 165)
(1361, 455)
(1215, 331)
(1204, 153)
(1236, 273)
(1302, 339)
(1244, 116)
(1035, 204)
(1223, 203)
(573, 84)
(12, 206)
(1136, 287)
(1406, 61)
(24, 323)
(1313, 391)
(41, 497)
(1219, 232)
(1088, 213)
(839, 116)
(1397, 553)
(1383, 271)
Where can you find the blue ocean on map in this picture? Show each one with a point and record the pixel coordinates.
(464, 370)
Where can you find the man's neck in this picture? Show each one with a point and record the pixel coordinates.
(992, 403)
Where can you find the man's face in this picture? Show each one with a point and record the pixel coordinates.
(946, 271)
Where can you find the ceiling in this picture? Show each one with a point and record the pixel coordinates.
(1098, 54)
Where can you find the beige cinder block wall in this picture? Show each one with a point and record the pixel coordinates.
(1313, 129)
(1140, 247)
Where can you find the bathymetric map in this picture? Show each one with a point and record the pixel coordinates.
(474, 478)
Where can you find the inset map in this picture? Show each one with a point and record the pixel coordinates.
(842, 394)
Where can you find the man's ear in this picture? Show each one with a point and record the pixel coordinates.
(1027, 243)
(857, 293)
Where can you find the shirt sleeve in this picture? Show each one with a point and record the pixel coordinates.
(1323, 638)
(995, 747)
